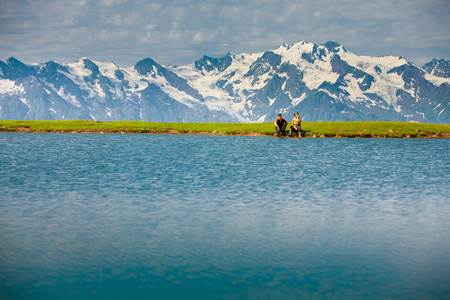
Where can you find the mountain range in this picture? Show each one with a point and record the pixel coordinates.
(322, 82)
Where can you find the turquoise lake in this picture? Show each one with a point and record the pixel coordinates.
(214, 217)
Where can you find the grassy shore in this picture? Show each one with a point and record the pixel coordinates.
(309, 129)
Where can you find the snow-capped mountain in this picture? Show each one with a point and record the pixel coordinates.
(322, 82)
(99, 91)
(440, 68)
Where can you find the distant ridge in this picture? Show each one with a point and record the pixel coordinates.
(323, 82)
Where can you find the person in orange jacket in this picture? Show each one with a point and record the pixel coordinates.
(280, 125)
(296, 125)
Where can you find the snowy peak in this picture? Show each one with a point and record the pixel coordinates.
(92, 67)
(310, 52)
(51, 68)
(267, 62)
(439, 68)
(209, 64)
(15, 69)
(409, 73)
(334, 47)
(147, 66)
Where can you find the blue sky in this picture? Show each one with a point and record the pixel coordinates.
(180, 32)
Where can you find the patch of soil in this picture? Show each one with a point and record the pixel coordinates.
(23, 129)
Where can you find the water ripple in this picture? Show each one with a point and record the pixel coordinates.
(201, 217)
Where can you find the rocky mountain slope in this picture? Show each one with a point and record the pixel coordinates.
(322, 82)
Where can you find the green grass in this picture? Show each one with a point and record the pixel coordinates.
(374, 129)
(310, 129)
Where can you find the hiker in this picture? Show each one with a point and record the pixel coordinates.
(280, 125)
(296, 125)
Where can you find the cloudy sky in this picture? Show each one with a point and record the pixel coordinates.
(181, 31)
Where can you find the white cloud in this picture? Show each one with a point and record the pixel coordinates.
(178, 32)
(198, 37)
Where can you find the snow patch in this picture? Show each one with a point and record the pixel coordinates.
(108, 70)
(317, 74)
(99, 91)
(79, 69)
(437, 106)
(271, 101)
(24, 100)
(10, 87)
(437, 81)
(71, 99)
(367, 63)
(296, 101)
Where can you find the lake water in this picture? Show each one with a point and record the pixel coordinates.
(214, 217)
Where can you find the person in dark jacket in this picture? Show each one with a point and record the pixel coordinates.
(280, 125)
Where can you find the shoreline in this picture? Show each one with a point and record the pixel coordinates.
(370, 129)
(423, 135)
